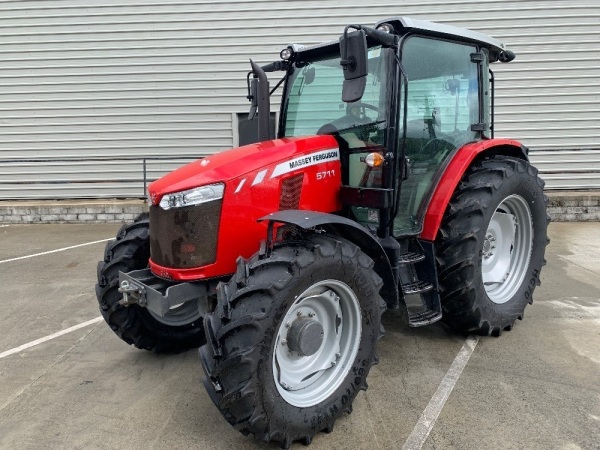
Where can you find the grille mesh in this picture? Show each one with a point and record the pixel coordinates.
(291, 189)
(183, 238)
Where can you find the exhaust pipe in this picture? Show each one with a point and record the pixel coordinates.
(263, 103)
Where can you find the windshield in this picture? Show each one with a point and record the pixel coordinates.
(315, 103)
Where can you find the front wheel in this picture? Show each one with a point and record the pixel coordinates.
(490, 248)
(292, 339)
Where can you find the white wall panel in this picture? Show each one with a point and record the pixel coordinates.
(84, 85)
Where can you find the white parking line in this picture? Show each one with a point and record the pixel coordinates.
(427, 420)
(47, 338)
(3, 226)
(54, 251)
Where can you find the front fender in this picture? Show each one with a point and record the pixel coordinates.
(349, 230)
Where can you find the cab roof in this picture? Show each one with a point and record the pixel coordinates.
(404, 25)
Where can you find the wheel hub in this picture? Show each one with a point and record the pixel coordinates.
(305, 336)
(506, 249)
(316, 343)
(489, 246)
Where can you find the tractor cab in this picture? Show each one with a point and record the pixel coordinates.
(425, 91)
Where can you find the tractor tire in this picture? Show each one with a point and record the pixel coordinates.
(292, 339)
(491, 244)
(177, 331)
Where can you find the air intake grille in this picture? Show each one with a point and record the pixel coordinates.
(291, 189)
(183, 238)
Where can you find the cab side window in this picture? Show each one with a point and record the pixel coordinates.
(442, 104)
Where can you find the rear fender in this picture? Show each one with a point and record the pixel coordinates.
(349, 230)
(456, 168)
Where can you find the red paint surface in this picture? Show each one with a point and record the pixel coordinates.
(239, 232)
(227, 165)
(450, 179)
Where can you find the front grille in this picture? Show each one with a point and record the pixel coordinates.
(291, 190)
(183, 238)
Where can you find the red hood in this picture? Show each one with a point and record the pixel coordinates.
(230, 164)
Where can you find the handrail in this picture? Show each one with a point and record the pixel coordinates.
(142, 159)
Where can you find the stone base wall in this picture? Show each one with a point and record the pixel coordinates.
(563, 206)
(574, 206)
(71, 211)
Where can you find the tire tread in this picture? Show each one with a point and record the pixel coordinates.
(457, 243)
(245, 299)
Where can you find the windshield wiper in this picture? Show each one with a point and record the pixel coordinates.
(361, 125)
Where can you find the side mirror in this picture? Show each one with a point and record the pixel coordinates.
(452, 85)
(353, 49)
(309, 75)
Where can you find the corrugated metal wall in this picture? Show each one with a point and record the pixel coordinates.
(88, 89)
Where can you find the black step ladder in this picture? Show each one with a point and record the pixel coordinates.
(419, 286)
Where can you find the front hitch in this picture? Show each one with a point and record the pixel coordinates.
(143, 288)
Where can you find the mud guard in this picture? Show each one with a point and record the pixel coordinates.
(347, 229)
(453, 173)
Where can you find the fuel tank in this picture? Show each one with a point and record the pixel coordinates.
(204, 241)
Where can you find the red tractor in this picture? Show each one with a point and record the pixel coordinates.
(384, 188)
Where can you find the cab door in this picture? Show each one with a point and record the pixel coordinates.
(442, 114)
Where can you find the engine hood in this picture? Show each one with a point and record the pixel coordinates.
(236, 162)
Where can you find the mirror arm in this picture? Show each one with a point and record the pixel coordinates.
(276, 66)
(387, 39)
(249, 96)
(277, 85)
(349, 63)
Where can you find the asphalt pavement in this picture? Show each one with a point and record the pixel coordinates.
(537, 386)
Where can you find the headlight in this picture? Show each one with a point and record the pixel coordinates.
(192, 197)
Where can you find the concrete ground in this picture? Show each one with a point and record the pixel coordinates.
(537, 386)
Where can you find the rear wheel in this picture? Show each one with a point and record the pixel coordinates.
(293, 338)
(490, 248)
(180, 329)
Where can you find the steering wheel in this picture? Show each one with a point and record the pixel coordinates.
(435, 145)
(361, 105)
(349, 118)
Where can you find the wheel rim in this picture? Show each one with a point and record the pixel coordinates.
(179, 315)
(507, 249)
(330, 306)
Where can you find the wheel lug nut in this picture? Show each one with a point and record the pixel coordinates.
(299, 313)
(283, 342)
(311, 314)
(289, 324)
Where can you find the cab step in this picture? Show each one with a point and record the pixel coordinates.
(416, 287)
(410, 258)
(423, 317)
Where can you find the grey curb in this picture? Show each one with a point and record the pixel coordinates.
(563, 206)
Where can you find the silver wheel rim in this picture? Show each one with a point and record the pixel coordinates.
(179, 315)
(305, 381)
(507, 249)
